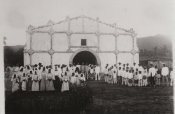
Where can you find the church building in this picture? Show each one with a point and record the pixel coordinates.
(80, 40)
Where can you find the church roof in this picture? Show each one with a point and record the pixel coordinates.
(81, 20)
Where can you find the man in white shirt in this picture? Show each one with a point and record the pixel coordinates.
(165, 73)
(97, 73)
(152, 73)
(171, 77)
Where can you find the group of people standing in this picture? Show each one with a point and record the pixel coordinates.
(46, 78)
(60, 77)
(137, 75)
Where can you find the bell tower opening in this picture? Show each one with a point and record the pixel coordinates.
(85, 57)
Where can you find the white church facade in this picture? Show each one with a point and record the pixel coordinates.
(80, 40)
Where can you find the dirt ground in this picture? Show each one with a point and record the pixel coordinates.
(112, 99)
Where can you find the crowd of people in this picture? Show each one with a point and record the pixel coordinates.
(46, 78)
(137, 75)
(60, 77)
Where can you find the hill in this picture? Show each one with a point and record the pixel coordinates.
(150, 42)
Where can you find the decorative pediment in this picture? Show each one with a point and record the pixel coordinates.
(82, 23)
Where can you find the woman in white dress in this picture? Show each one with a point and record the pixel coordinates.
(65, 84)
(49, 82)
(73, 79)
(43, 80)
(15, 83)
(24, 82)
(35, 82)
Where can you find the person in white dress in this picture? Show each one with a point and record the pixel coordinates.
(24, 82)
(65, 84)
(15, 83)
(43, 80)
(35, 82)
(49, 81)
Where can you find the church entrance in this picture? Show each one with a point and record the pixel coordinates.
(84, 57)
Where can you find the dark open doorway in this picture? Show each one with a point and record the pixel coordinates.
(84, 57)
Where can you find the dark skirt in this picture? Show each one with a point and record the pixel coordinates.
(57, 83)
(29, 84)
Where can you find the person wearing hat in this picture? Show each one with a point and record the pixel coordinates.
(165, 73)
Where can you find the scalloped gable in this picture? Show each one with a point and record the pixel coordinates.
(81, 24)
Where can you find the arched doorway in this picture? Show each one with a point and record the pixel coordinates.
(85, 56)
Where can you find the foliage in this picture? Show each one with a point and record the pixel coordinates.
(13, 57)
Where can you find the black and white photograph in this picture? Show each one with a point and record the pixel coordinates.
(87, 56)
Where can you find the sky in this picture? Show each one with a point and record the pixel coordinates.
(146, 17)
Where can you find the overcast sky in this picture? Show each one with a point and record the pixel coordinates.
(146, 17)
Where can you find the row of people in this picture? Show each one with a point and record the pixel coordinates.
(41, 78)
(138, 75)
